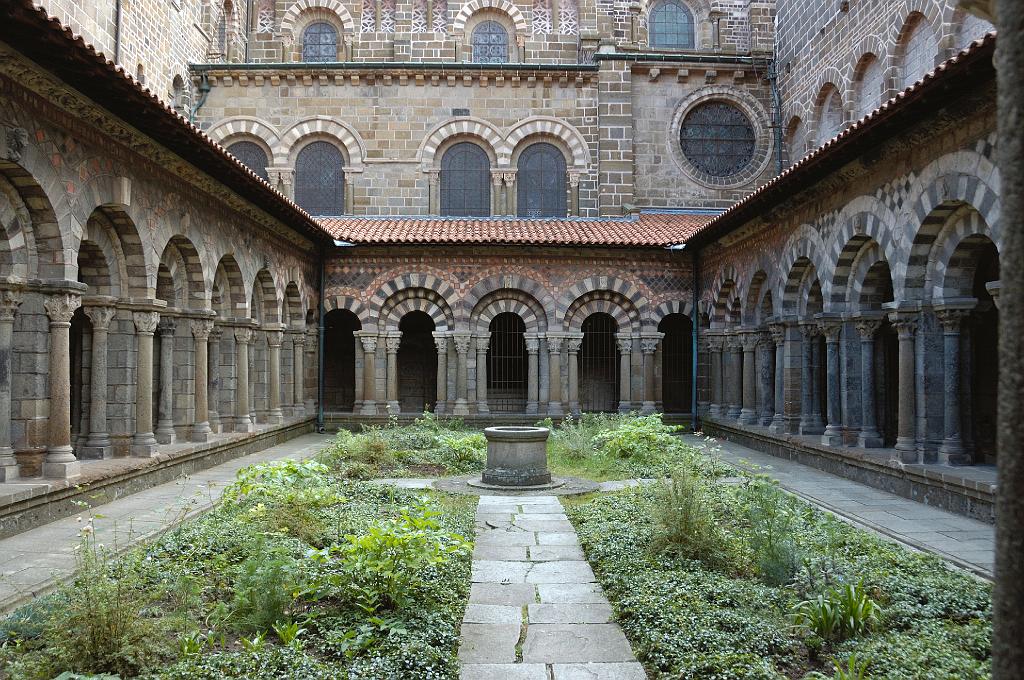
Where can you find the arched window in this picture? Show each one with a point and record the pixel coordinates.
(320, 179)
(541, 182)
(718, 138)
(490, 43)
(320, 42)
(252, 155)
(920, 46)
(507, 361)
(465, 181)
(868, 85)
(671, 26)
(178, 95)
(831, 121)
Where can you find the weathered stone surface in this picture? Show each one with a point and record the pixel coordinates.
(500, 552)
(562, 571)
(492, 613)
(539, 553)
(570, 613)
(497, 671)
(488, 642)
(516, 594)
(570, 593)
(575, 643)
(557, 538)
(498, 571)
(598, 671)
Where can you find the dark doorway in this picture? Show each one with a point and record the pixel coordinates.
(506, 364)
(676, 363)
(599, 365)
(417, 364)
(984, 330)
(340, 360)
(887, 366)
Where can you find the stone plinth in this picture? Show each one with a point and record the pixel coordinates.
(517, 456)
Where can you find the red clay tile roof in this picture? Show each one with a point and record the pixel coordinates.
(966, 69)
(645, 229)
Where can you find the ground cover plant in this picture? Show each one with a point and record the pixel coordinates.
(296, 573)
(719, 574)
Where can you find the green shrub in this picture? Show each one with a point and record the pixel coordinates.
(264, 590)
(684, 510)
(840, 613)
(638, 438)
(772, 517)
(855, 668)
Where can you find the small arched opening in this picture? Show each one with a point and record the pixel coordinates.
(599, 364)
(417, 363)
(506, 364)
(340, 360)
(676, 363)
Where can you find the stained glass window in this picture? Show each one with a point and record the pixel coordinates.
(717, 138)
(671, 26)
(490, 43)
(252, 155)
(320, 179)
(320, 43)
(540, 182)
(465, 181)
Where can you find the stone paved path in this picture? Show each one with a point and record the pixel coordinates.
(965, 542)
(36, 561)
(535, 609)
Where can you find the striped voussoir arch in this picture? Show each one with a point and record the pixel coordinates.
(351, 304)
(324, 127)
(606, 302)
(336, 7)
(627, 290)
(238, 128)
(424, 280)
(491, 284)
(659, 313)
(951, 265)
(460, 127)
(856, 232)
(543, 125)
(508, 301)
(506, 6)
(417, 300)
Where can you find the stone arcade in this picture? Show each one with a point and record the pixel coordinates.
(778, 219)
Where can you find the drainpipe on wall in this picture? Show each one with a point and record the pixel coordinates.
(204, 92)
(320, 346)
(117, 31)
(695, 324)
(773, 79)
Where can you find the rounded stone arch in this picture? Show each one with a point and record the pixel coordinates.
(758, 290)
(629, 292)
(412, 300)
(426, 280)
(326, 129)
(864, 283)
(865, 217)
(965, 176)
(610, 302)
(528, 308)
(100, 250)
(947, 269)
(180, 250)
(137, 276)
(506, 6)
(292, 305)
(466, 128)
(802, 278)
(666, 308)
(24, 209)
(351, 304)
(246, 129)
(831, 85)
(804, 243)
(518, 282)
(907, 17)
(831, 76)
(229, 297)
(264, 294)
(546, 128)
(723, 311)
(335, 7)
(725, 280)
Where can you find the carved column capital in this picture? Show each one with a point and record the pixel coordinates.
(716, 343)
(462, 342)
(532, 343)
(951, 318)
(809, 329)
(749, 340)
(298, 338)
(830, 329)
(778, 332)
(555, 343)
(201, 328)
(9, 301)
(574, 342)
(275, 338)
(441, 341)
(166, 326)
(573, 176)
(497, 177)
(624, 341)
(509, 177)
(391, 341)
(649, 342)
(905, 325)
(369, 343)
(434, 177)
(146, 322)
(244, 336)
(60, 307)
(867, 327)
(100, 316)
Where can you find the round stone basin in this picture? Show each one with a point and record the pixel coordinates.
(517, 456)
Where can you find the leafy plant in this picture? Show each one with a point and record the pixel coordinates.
(289, 632)
(638, 437)
(840, 613)
(684, 510)
(855, 668)
(772, 516)
(264, 590)
(255, 643)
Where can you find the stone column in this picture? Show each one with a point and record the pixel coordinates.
(441, 340)
(462, 342)
(434, 182)
(252, 376)
(165, 433)
(60, 461)
(287, 368)
(391, 342)
(298, 374)
(573, 344)
(748, 414)
(906, 416)
(369, 342)
(715, 345)
(951, 316)
(648, 346)
(97, 445)
(555, 374)
(144, 443)
(765, 377)
(636, 374)
(574, 191)
(735, 376)
(275, 337)
(201, 330)
(532, 373)
(482, 342)
(9, 301)
(510, 193)
(213, 394)
(833, 434)
(497, 195)
(625, 342)
(243, 423)
(869, 436)
(312, 361)
(778, 424)
(808, 423)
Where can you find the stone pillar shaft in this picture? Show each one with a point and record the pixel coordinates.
(274, 340)
(807, 420)
(748, 414)
(482, 342)
(98, 443)
(60, 459)
(573, 345)
(243, 423)
(369, 343)
(952, 448)
(441, 340)
(462, 342)
(532, 373)
(201, 330)
(906, 431)
(648, 346)
(165, 433)
(625, 342)
(715, 353)
(555, 375)
(735, 375)
(778, 424)
(833, 434)
(765, 378)
(298, 373)
(144, 442)
(869, 435)
(213, 393)
(9, 301)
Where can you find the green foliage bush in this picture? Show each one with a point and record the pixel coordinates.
(842, 612)
(772, 517)
(686, 514)
(264, 590)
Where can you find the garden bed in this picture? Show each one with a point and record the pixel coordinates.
(296, 573)
(718, 576)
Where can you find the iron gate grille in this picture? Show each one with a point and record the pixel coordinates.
(676, 363)
(599, 365)
(506, 364)
(465, 181)
(320, 179)
(541, 182)
(320, 43)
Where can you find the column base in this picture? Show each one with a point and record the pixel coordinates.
(951, 452)
(778, 424)
(439, 408)
(144, 450)
(869, 440)
(165, 434)
(532, 407)
(461, 408)
(200, 432)
(369, 408)
(62, 470)
(748, 417)
(715, 410)
(648, 407)
(831, 438)
(904, 454)
(733, 413)
(555, 408)
(811, 428)
(9, 470)
(244, 424)
(214, 422)
(394, 408)
(95, 452)
(275, 417)
(481, 407)
(311, 406)
(625, 406)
